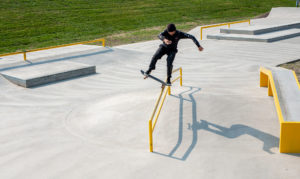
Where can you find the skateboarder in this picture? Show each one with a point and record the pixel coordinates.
(170, 38)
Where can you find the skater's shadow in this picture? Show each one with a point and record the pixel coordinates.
(236, 130)
(269, 141)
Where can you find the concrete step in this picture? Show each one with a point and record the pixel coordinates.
(269, 37)
(41, 74)
(260, 29)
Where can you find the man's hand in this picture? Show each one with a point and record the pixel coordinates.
(168, 42)
(200, 48)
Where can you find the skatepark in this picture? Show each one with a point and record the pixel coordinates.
(219, 124)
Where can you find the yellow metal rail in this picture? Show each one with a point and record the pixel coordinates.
(289, 131)
(158, 106)
(57, 46)
(223, 24)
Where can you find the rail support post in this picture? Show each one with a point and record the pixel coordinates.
(24, 55)
(201, 33)
(150, 136)
(180, 76)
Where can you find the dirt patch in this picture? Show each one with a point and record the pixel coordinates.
(264, 15)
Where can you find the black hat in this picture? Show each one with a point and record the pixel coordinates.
(171, 28)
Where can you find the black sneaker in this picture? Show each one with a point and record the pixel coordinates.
(169, 82)
(147, 73)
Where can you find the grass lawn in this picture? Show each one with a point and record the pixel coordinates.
(29, 24)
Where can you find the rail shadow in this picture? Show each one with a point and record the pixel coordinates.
(269, 141)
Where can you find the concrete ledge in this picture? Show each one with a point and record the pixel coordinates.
(41, 74)
(255, 30)
(269, 37)
(285, 90)
(288, 93)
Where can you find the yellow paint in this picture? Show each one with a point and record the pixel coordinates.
(180, 76)
(176, 79)
(8, 54)
(46, 48)
(289, 131)
(263, 80)
(158, 108)
(270, 92)
(290, 137)
(223, 24)
(150, 136)
(24, 55)
(296, 78)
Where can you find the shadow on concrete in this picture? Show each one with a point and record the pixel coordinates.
(269, 141)
(30, 63)
(293, 154)
(62, 81)
(180, 128)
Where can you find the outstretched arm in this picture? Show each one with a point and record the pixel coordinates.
(189, 36)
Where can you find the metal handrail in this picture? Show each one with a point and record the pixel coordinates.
(223, 24)
(160, 103)
(51, 47)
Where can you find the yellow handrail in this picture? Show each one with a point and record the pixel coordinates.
(51, 47)
(151, 124)
(223, 24)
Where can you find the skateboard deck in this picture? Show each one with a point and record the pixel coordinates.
(154, 78)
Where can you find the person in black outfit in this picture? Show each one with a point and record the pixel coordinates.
(170, 38)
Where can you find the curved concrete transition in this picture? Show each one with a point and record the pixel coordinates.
(220, 124)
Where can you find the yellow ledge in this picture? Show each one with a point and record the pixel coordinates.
(289, 131)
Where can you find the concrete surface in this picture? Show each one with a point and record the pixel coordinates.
(41, 74)
(272, 28)
(260, 29)
(220, 124)
(288, 93)
(265, 37)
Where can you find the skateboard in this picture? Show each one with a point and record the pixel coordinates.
(154, 78)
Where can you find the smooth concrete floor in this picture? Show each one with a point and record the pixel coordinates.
(220, 124)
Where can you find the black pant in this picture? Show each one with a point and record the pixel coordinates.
(161, 51)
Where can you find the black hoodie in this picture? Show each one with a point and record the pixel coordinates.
(175, 39)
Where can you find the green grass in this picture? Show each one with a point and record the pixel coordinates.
(29, 24)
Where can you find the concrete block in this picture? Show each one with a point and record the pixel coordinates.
(269, 37)
(260, 29)
(35, 75)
